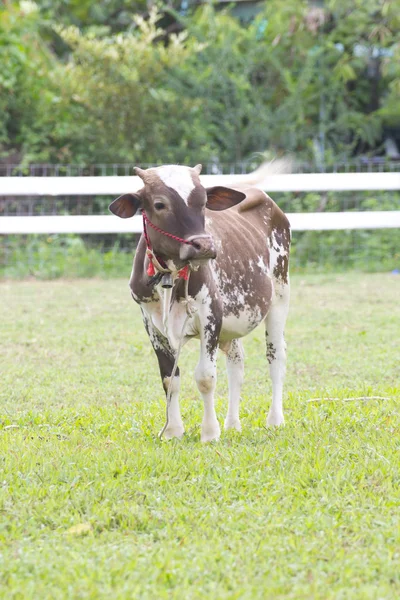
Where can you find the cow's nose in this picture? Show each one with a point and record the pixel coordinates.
(201, 247)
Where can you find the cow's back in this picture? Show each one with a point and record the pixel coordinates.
(252, 241)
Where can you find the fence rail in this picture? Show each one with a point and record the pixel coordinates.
(304, 182)
(294, 182)
(100, 224)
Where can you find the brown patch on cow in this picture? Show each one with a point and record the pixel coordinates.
(150, 177)
(212, 331)
(197, 195)
(271, 351)
(254, 198)
(235, 356)
(281, 268)
(251, 203)
(282, 237)
(139, 282)
(279, 224)
(241, 241)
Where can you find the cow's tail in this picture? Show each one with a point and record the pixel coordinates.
(278, 166)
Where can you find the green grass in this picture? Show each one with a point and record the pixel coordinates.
(93, 505)
(71, 256)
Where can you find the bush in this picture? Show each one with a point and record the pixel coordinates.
(320, 83)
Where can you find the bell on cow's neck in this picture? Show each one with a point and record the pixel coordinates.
(166, 281)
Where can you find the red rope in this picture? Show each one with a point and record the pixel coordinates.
(184, 272)
(174, 237)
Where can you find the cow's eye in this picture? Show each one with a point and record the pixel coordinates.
(159, 205)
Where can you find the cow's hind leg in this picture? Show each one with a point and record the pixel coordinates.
(276, 351)
(235, 369)
(166, 360)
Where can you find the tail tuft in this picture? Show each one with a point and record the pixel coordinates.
(278, 166)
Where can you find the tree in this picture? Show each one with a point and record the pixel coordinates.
(323, 77)
(319, 82)
(25, 93)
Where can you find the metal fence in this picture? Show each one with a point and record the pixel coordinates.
(358, 165)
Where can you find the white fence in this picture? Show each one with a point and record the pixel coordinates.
(112, 224)
(113, 186)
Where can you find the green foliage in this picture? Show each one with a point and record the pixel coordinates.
(115, 14)
(25, 82)
(123, 101)
(50, 257)
(94, 506)
(324, 74)
(335, 251)
(230, 118)
(365, 250)
(317, 82)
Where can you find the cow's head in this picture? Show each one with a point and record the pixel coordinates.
(175, 201)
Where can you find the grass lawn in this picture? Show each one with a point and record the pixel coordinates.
(93, 505)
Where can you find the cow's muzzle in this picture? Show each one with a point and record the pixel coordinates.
(202, 247)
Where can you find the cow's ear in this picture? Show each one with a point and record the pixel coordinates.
(221, 198)
(126, 206)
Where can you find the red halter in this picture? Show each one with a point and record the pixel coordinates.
(184, 272)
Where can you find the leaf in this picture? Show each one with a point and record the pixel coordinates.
(345, 72)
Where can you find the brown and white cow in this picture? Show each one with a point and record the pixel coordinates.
(237, 243)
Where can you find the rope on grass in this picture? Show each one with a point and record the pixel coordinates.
(360, 398)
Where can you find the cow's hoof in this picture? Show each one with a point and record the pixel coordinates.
(233, 424)
(173, 431)
(275, 419)
(210, 432)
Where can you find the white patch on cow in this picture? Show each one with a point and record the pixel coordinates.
(176, 320)
(167, 294)
(262, 265)
(239, 326)
(172, 266)
(274, 243)
(178, 178)
(243, 320)
(206, 370)
(275, 325)
(235, 370)
(175, 425)
(219, 247)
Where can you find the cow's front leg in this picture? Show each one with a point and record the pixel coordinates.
(206, 379)
(166, 360)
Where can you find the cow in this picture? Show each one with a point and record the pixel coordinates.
(229, 248)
